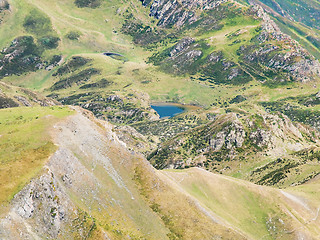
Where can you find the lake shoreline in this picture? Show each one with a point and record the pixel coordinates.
(187, 107)
(168, 110)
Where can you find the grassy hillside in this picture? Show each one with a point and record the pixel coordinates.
(93, 187)
(117, 27)
(261, 212)
(306, 12)
(292, 19)
(12, 96)
(25, 145)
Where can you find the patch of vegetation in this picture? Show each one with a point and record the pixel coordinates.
(288, 171)
(23, 55)
(238, 99)
(73, 35)
(165, 129)
(72, 65)
(275, 172)
(78, 78)
(55, 60)
(142, 34)
(84, 225)
(6, 102)
(49, 42)
(294, 112)
(38, 23)
(113, 108)
(103, 83)
(87, 3)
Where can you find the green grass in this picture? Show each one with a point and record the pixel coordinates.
(99, 31)
(248, 208)
(25, 145)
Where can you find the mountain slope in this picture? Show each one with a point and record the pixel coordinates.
(168, 56)
(11, 96)
(265, 148)
(93, 187)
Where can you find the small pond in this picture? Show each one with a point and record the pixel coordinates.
(168, 110)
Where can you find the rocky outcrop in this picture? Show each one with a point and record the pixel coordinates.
(300, 64)
(21, 56)
(232, 137)
(181, 46)
(4, 5)
(11, 96)
(115, 108)
(271, 56)
(178, 13)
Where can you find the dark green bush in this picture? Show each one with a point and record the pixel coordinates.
(88, 3)
(73, 35)
(49, 42)
(37, 23)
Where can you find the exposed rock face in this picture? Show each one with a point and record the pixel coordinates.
(231, 136)
(40, 209)
(297, 61)
(178, 13)
(181, 46)
(4, 4)
(271, 56)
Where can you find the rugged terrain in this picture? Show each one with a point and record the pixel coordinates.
(94, 187)
(243, 160)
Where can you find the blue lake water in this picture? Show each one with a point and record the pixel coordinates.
(167, 110)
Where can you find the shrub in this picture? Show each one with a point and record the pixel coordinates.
(73, 35)
(37, 23)
(49, 42)
(88, 3)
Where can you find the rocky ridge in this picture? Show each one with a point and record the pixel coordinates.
(270, 56)
(90, 189)
(11, 96)
(179, 13)
(234, 140)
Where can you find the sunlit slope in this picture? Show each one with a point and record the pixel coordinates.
(88, 32)
(93, 187)
(261, 212)
(25, 145)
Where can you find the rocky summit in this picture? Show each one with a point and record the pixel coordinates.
(167, 119)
